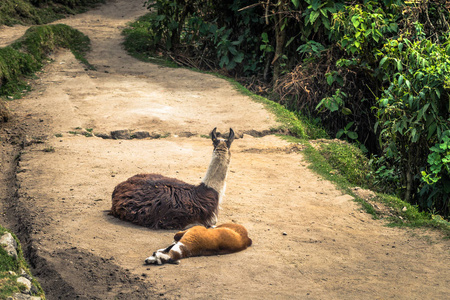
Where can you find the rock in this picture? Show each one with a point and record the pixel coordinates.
(103, 135)
(24, 274)
(121, 135)
(140, 135)
(9, 244)
(25, 282)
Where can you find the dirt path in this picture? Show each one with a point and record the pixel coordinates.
(310, 240)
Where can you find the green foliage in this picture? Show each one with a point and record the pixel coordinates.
(334, 102)
(217, 33)
(361, 29)
(311, 50)
(386, 174)
(413, 112)
(439, 161)
(435, 193)
(318, 14)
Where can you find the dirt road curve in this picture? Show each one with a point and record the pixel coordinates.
(309, 240)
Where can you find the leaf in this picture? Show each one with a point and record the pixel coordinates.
(350, 124)
(431, 130)
(296, 3)
(313, 16)
(414, 135)
(239, 57)
(232, 50)
(355, 21)
(330, 79)
(224, 61)
(353, 135)
(408, 84)
(290, 41)
(383, 60)
(399, 65)
(346, 111)
(316, 4)
(326, 22)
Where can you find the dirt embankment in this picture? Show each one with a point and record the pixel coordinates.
(310, 240)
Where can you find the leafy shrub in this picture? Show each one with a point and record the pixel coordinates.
(413, 113)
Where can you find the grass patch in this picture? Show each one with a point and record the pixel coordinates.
(11, 268)
(349, 161)
(26, 56)
(346, 166)
(28, 12)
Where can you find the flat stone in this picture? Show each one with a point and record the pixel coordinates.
(121, 135)
(9, 244)
(25, 282)
(140, 135)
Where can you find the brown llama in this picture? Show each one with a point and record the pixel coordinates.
(199, 241)
(159, 202)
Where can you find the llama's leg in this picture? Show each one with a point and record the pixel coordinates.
(166, 250)
(178, 236)
(162, 256)
(158, 258)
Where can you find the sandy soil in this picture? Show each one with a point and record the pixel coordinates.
(310, 241)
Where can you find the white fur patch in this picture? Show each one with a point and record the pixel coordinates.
(157, 259)
(177, 248)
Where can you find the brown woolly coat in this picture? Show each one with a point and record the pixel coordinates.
(161, 202)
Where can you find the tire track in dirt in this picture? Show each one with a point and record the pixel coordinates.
(310, 240)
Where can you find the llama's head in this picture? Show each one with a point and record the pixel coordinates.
(222, 144)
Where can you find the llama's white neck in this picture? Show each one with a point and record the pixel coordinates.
(216, 175)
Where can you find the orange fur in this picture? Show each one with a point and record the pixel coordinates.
(199, 241)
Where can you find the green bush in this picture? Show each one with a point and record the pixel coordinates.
(413, 114)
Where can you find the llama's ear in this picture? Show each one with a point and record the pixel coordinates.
(214, 135)
(230, 138)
